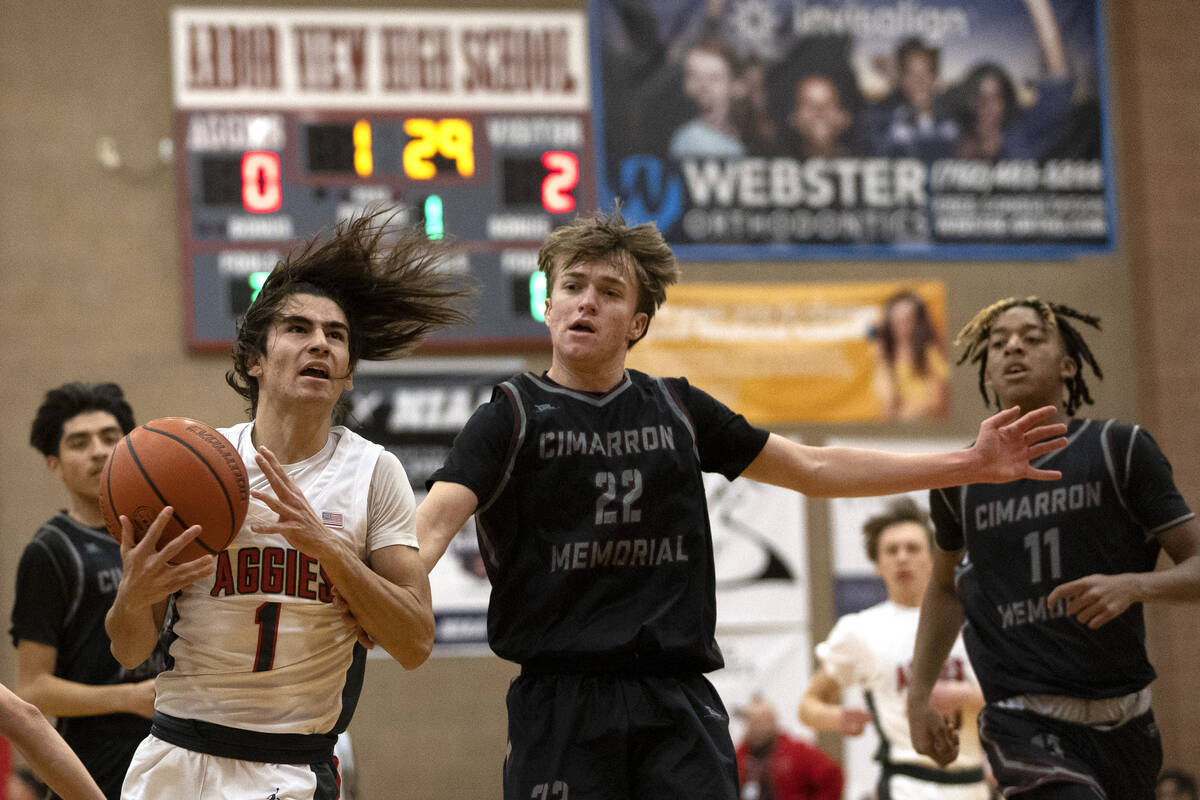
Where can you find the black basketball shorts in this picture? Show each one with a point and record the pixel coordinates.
(605, 736)
(1028, 751)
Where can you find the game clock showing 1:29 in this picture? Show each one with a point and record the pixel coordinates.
(256, 183)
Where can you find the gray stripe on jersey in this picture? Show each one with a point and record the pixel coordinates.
(77, 563)
(1129, 454)
(678, 411)
(1110, 466)
(486, 545)
(585, 397)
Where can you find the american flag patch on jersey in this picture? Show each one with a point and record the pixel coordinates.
(331, 518)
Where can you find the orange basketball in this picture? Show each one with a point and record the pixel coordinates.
(182, 463)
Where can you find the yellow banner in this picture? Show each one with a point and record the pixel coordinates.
(810, 352)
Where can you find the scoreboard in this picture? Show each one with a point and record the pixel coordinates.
(472, 125)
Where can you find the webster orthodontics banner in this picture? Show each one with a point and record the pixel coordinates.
(855, 128)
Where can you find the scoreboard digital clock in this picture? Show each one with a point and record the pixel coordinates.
(266, 164)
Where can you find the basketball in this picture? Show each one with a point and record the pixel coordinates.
(182, 463)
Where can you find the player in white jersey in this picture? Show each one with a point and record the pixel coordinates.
(268, 635)
(873, 649)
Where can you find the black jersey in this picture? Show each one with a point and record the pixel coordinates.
(1024, 538)
(66, 582)
(593, 523)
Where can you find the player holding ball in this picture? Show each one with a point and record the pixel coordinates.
(266, 671)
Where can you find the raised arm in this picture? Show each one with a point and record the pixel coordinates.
(1049, 37)
(440, 516)
(147, 580)
(1007, 442)
(941, 621)
(48, 755)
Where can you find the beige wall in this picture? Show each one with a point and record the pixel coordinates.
(91, 290)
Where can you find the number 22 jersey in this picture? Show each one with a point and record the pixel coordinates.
(593, 523)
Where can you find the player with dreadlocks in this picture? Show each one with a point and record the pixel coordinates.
(1054, 577)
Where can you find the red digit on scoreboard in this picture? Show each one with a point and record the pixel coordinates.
(262, 189)
(562, 175)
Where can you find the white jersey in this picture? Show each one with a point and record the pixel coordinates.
(873, 649)
(258, 644)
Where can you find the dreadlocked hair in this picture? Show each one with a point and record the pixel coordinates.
(389, 280)
(973, 338)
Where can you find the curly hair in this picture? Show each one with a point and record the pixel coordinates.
(974, 336)
(902, 509)
(607, 237)
(70, 400)
(389, 281)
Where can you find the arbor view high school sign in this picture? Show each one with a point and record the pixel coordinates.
(379, 58)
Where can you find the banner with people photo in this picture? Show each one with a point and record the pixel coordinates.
(807, 352)
(763, 129)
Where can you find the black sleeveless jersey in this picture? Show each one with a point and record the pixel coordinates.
(1024, 538)
(66, 582)
(593, 523)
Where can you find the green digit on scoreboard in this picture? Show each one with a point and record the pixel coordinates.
(256, 281)
(434, 226)
(537, 295)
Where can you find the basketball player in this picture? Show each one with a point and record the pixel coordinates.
(873, 649)
(1051, 579)
(50, 756)
(265, 671)
(67, 580)
(586, 486)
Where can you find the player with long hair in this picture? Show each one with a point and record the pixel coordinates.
(266, 671)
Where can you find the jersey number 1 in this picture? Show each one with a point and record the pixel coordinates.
(267, 618)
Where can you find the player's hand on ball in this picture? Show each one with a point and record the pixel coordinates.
(148, 575)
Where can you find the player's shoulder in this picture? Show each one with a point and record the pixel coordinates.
(58, 531)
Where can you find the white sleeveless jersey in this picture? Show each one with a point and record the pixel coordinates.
(873, 649)
(258, 644)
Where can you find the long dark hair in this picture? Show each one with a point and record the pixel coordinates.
(389, 281)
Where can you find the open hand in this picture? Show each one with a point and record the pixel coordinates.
(1008, 441)
(298, 523)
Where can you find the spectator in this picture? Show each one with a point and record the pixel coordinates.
(774, 766)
